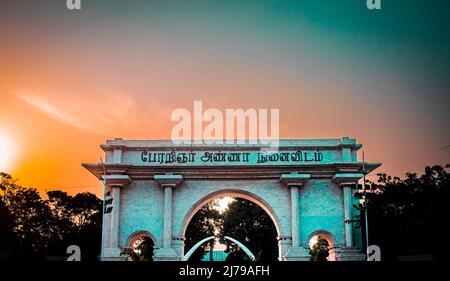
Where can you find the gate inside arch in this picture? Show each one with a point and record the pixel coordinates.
(196, 246)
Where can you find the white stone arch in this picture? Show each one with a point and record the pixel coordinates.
(232, 193)
(158, 195)
(330, 239)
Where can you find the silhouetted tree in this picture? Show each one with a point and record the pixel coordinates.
(39, 228)
(252, 226)
(407, 217)
(206, 222)
(33, 221)
(78, 220)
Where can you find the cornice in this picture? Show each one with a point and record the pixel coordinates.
(140, 172)
(227, 148)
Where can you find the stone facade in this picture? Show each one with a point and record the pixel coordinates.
(306, 187)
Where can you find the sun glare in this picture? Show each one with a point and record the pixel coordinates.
(313, 241)
(222, 203)
(7, 150)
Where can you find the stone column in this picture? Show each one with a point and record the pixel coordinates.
(295, 211)
(297, 250)
(167, 252)
(167, 230)
(115, 219)
(348, 253)
(347, 194)
(111, 246)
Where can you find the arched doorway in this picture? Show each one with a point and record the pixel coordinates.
(321, 244)
(246, 217)
(140, 247)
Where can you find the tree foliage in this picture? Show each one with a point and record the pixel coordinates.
(252, 226)
(37, 228)
(206, 222)
(407, 217)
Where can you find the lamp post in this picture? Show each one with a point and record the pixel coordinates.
(103, 206)
(366, 207)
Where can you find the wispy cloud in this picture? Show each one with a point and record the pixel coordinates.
(106, 112)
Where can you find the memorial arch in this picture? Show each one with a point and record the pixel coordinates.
(155, 187)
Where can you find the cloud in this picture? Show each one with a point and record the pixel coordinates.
(105, 112)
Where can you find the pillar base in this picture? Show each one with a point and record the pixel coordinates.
(297, 254)
(112, 254)
(349, 254)
(166, 254)
(178, 246)
(284, 243)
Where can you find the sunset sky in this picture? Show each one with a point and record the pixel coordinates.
(69, 80)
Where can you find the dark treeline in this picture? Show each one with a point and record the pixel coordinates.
(407, 217)
(41, 229)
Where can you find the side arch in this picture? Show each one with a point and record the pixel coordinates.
(330, 239)
(141, 233)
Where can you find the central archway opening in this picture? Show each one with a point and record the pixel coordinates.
(227, 217)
